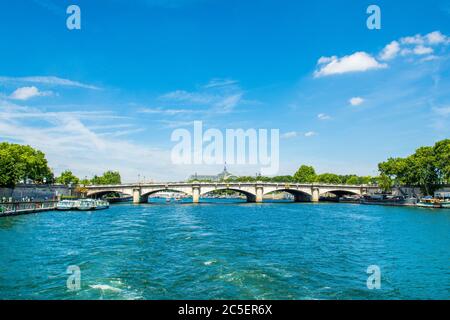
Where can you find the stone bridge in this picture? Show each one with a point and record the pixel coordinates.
(254, 191)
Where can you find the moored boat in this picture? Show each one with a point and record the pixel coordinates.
(445, 204)
(65, 205)
(86, 204)
(429, 202)
(387, 200)
(101, 204)
(92, 204)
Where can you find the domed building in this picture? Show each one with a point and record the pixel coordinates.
(224, 175)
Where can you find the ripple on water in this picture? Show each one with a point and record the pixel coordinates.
(268, 251)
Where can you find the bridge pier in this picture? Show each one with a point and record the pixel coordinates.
(315, 194)
(195, 194)
(259, 194)
(137, 196)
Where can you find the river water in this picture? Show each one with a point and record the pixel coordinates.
(227, 250)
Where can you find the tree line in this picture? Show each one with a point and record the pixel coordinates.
(427, 168)
(108, 177)
(19, 163)
(307, 174)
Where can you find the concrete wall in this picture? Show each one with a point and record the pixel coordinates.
(37, 192)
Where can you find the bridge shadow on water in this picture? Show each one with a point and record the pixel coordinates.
(216, 201)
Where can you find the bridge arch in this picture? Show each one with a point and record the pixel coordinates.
(99, 193)
(146, 193)
(340, 192)
(251, 197)
(299, 195)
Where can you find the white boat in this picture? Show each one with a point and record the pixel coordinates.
(92, 204)
(101, 204)
(86, 204)
(429, 202)
(67, 205)
(445, 204)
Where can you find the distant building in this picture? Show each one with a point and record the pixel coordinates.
(224, 175)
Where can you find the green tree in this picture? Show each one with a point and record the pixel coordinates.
(330, 178)
(423, 170)
(109, 177)
(67, 178)
(385, 182)
(442, 153)
(10, 170)
(353, 180)
(20, 162)
(305, 174)
(397, 169)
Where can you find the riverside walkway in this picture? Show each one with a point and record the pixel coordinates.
(25, 207)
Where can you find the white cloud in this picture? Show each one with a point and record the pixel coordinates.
(362, 61)
(422, 45)
(415, 40)
(436, 37)
(289, 135)
(432, 38)
(390, 51)
(217, 82)
(323, 116)
(169, 112)
(227, 104)
(221, 96)
(25, 93)
(294, 134)
(356, 101)
(422, 50)
(47, 80)
(70, 144)
(443, 111)
(188, 97)
(357, 62)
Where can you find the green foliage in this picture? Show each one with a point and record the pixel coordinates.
(67, 178)
(109, 177)
(442, 159)
(385, 182)
(19, 162)
(85, 182)
(329, 178)
(305, 174)
(426, 168)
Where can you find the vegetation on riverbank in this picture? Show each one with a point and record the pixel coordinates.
(427, 168)
(22, 163)
(108, 177)
(307, 174)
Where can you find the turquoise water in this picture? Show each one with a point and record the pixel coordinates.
(227, 251)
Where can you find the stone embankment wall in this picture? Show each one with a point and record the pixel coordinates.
(35, 192)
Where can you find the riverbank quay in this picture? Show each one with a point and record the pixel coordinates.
(36, 192)
(26, 207)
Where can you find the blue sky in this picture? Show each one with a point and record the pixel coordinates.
(108, 96)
